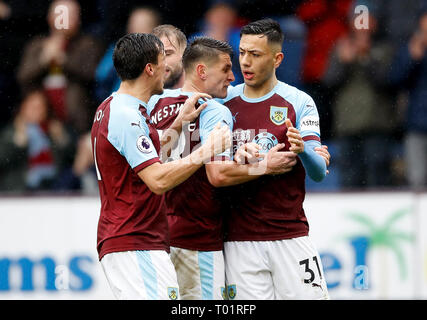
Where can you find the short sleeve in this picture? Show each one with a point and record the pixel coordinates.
(308, 120)
(214, 113)
(129, 134)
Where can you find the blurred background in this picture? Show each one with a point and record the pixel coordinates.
(363, 62)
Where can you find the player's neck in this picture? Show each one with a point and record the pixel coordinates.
(180, 82)
(257, 92)
(191, 86)
(135, 89)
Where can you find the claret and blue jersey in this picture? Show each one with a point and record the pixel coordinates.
(193, 208)
(124, 142)
(271, 207)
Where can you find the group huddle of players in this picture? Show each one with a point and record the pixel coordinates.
(202, 184)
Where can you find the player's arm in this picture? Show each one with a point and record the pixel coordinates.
(187, 114)
(314, 164)
(161, 177)
(314, 161)
(228, 173)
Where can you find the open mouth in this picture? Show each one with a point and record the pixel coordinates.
(248, 75)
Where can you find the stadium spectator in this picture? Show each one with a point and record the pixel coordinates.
(220, 23)
(395, 18)
(326, 22)
(17, 25)
(364, 118)
(141, 20)
(64, 63)
(35, 149)
(409, 71)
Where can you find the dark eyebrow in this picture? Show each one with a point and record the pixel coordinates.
(251, 51)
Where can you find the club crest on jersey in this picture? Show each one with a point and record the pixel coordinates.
(278, 115)
(231, 291)
(144, 144)
(223, 293)
(172, 293)
(266, 140)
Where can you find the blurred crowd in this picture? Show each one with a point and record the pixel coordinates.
(363, 62)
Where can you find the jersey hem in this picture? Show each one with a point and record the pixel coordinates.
(131, 248)
(267, 238)
(197, 248)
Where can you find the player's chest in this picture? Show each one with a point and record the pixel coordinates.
(262, 123)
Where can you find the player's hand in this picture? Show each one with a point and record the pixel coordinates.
(294, 138)
(324, 153)
(218, 141)
(188, 112)
(278, 162)
(248, 152)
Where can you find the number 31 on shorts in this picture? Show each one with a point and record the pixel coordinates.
(308, 269)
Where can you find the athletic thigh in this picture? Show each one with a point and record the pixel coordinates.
(201, 274)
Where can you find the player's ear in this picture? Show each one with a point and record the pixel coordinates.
(278, 58)
(201, 71)
(149, 69)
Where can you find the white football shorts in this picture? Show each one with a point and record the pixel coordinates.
(274, 270)
(201, 274)
(141, 275)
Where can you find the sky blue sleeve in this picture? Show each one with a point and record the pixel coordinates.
(314, 164)
(307, 121)
(210, 116)
(129, 134)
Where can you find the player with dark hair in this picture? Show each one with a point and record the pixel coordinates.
(268, 254)
(133, 234)
(195, 228)
(194, 211)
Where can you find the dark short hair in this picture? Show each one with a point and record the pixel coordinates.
(133, 52)
(168, 31)
(267, 27)
(206, 49)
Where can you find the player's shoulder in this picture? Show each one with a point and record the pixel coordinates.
(292, 94)
(232, 92)
(123, 106)
(167, 93)
(125, 110)
(215, 107)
